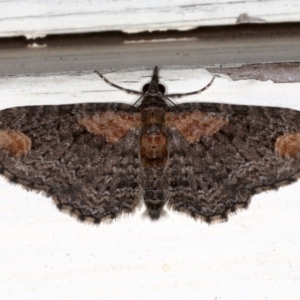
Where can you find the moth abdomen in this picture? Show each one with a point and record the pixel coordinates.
(155, 201)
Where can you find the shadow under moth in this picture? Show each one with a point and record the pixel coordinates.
(99, 160)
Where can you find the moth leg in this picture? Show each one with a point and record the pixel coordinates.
(195, 92)
(117, 86)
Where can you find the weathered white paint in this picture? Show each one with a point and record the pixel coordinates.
(45, 254)
(34, 18)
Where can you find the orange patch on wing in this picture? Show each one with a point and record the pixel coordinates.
(110, 124)
(194, 125)
(288, 145)
(15, 142)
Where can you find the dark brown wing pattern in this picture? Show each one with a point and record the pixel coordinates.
(84, 156)
(215, 171)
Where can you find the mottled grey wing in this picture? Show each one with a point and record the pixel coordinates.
(256, 150)
(86, 176)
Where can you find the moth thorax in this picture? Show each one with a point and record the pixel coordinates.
(153, 115)
(150, 101)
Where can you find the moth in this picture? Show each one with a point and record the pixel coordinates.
(100, 160)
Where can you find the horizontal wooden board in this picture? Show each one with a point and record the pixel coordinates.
(34, 18)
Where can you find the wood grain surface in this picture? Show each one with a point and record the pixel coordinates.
(34, 18)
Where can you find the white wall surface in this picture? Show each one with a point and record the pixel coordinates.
(45, 254)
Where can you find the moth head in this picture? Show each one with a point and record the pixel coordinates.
(160, 87)
(154, 87)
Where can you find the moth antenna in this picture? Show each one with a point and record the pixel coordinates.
(195, 92)
(117, 86)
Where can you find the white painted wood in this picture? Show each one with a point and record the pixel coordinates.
(45, 254)
(34, 18)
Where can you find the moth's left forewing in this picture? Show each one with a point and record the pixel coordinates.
(84, 156)
(230, 152)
